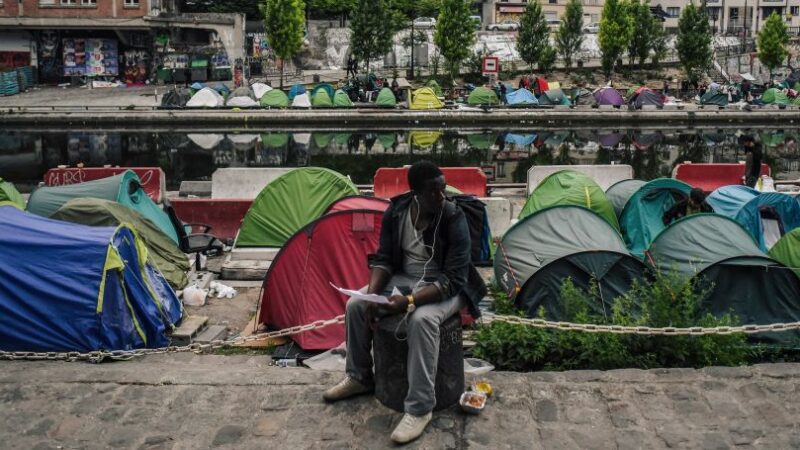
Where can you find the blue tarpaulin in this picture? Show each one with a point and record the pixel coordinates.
(69, 287)
(521, 140)
(521, 97)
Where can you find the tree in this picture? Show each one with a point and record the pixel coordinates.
(641, 41)
(772, 40)
(615, 33)
(694, 42)
(455, 34)
(533, 42)
(371, 30)
(284, 24)
(570, 34)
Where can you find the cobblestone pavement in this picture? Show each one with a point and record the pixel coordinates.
(188, 401)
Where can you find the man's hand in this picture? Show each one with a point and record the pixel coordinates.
(398, 304)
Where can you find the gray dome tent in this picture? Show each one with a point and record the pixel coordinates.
(619, 193)
(540, 251)
(742, 279)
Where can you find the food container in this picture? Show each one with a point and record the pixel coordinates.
(473, 402)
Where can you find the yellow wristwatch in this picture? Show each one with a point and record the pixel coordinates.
(411, 306)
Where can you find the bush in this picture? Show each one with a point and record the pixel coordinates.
(670, 300)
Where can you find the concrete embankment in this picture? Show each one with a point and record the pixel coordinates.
(388, 119)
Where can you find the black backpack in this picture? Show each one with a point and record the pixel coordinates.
(479, 234)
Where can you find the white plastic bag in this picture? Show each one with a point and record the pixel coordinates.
(194, 296)
(477, 366)
(221, 290)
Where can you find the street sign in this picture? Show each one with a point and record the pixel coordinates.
(491, 65)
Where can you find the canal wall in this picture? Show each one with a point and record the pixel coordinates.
(393, 119)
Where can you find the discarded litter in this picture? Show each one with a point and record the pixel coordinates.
(473, 402)
(286, 362)
(194, 296)
(475, 366)
(222, 290)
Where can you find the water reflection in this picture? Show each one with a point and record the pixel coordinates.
(25, 157)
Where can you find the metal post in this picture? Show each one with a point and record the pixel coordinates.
(744, 32)
(411, 75)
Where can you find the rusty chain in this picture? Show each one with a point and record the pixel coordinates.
(125, 355)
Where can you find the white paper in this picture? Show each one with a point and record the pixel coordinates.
(374, 298)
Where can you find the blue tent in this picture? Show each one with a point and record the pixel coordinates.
(68, 287)
(296, 90)
(521, 140)
(521, 97)
(766, 216)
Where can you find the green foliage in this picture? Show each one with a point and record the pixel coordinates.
(694, 42)
(642, 31)
(331, 6)
(669, 300)
(570, 34)
(370, 38)
(284, 24)
(533, 42)
(772, 41)
(455, 34)
(250, 8)
(417, 8)
(658, 43)
(616, 26)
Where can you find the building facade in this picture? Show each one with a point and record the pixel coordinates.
(128, 40)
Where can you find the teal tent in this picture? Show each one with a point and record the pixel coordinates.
(740, 278)
(540, 251)
(714, 98)
(290, 202)
(766, 216)
(554, 97)
(619, 193)
(327, 88)
(125, 189)
(642, 217)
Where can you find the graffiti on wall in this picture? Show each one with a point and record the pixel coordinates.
(136, 62)
(50, 61)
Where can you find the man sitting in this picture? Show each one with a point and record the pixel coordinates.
(424, 251)
(695, 203)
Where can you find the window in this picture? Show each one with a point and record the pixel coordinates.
(47, 2)
(69, 2)
(89, 2)
(131, 3)
(553, 2)
(673, 11)
(794, 10)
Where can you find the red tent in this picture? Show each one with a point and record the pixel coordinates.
(297, 290)
(358, 202)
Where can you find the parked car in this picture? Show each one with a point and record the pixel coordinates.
(424, 22)
(592, 28)
(477, 20)
(506, 25)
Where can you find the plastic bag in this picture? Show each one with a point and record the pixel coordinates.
(194, 296)
(475, 366)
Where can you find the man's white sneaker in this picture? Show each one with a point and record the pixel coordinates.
(410, 427)
(346, 388)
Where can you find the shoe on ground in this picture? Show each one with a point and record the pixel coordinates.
(410, 427)
(349, 387)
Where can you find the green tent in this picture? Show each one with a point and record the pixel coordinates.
(773, 96)
(290, 202)
(641, 217)
(167, 257)
(741, 279)
(10, 195)
(435, 86)
(275, 98)
(424, 139)
(482, 96)
(540, 251)
(321, 99)
(714, 98)
(554, 97)
(341, 99)
(275, 140)
(787, 250)
(425, 98)
(481, 141)
(386, 99)
(125, 189)
(619, 193)
(341, 138)
(324, 87)
(567, 187)
(322, 140)
(795, 101)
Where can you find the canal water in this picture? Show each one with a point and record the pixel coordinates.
(505, 154)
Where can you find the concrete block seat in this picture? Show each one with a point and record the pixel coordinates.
(391, 354)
